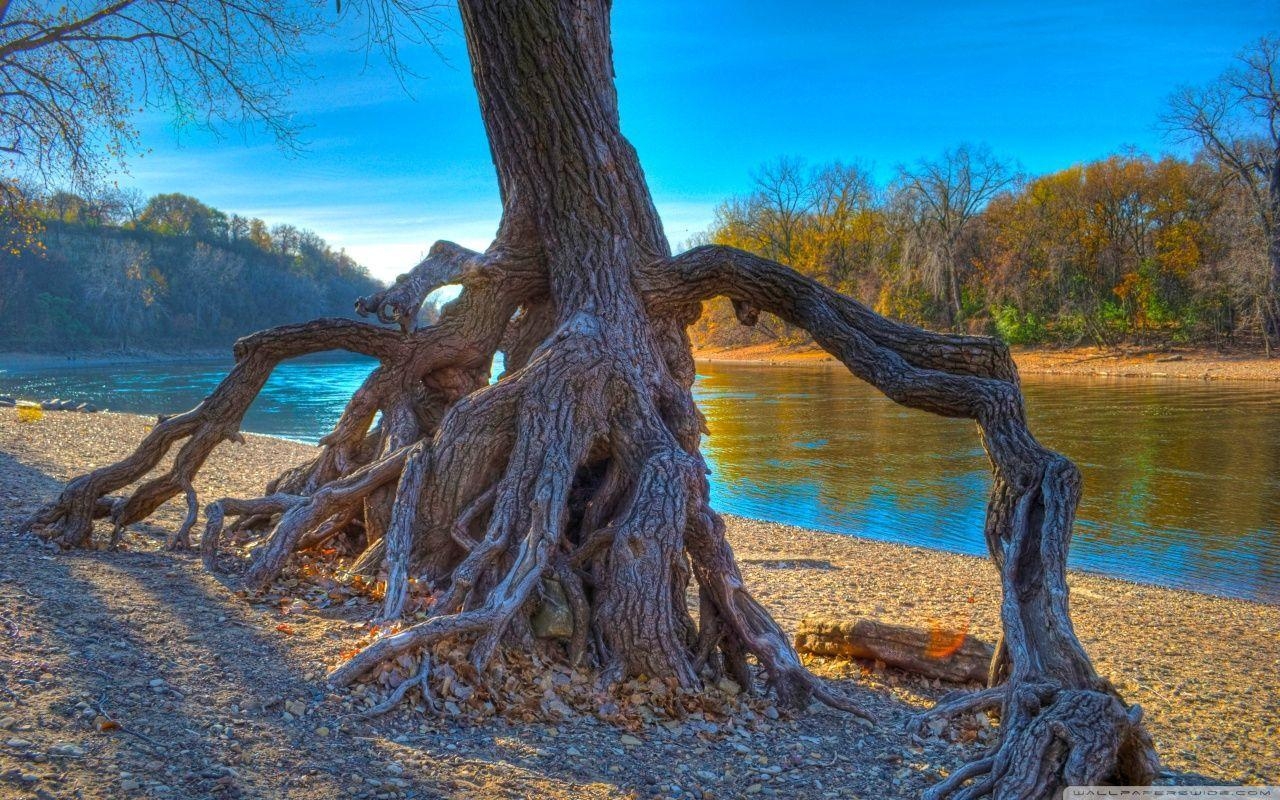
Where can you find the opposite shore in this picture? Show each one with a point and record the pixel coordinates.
(1196, 363)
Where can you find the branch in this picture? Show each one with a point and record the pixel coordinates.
(446, 263)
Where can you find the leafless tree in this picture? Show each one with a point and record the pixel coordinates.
(943, 198)
(74, 74)
(1236, 122)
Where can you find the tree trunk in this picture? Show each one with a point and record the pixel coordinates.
(581, 466)
(1271, 320)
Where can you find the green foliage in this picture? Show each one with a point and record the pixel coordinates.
(1017, 327)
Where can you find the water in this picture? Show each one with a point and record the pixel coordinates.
(1182, 479)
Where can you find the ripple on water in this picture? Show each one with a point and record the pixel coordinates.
(1182, 478)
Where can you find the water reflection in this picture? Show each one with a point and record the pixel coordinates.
(1182, 479)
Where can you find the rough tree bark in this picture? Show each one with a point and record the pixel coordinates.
(582, 463)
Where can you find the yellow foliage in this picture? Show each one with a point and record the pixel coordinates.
(30, 412)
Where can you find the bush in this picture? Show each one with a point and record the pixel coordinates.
(1016, 327)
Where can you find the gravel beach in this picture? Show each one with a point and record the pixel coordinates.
(138, 673)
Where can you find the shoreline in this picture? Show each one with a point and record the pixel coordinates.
(1183, 363)
(1198, 664)
(22, 361)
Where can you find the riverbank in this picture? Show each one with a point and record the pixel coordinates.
(45, 361)
(1181, 362)
(100, 629)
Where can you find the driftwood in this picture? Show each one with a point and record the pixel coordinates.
(943, 654)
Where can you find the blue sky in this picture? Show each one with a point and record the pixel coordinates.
(710, 91)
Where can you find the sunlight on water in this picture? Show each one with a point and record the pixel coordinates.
(1182, 479)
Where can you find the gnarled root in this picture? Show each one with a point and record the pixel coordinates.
(578, 476)
(1078, 729)
(1053, 738)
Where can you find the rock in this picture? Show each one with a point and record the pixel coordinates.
(8, 402)
(629, 740)
(295, 707)
(16, 742)
(67, 749)
(156, 683)
(728, 686)
(7, 722)
(322, 732)
(87, 408)
(553, 619)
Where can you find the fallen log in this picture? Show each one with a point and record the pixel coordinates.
(947, 655)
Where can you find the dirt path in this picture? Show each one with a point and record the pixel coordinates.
(215, 699)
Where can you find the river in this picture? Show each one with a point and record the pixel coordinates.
(1182, 478)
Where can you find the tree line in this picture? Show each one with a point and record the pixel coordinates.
(1128, 247)
(114, 269)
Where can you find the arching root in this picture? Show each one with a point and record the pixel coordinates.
(578, 475)
(1061, 722)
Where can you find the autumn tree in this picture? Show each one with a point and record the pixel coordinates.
(579, 473)
(943, 198)
(1236, 122)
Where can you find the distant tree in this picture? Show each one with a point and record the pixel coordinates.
(182, 215)
(120, 287)
(1236, 121)
(259, 236)
(943, 198)
(210, 272)
(130, 204)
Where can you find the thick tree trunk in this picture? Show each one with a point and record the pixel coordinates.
(579, 474)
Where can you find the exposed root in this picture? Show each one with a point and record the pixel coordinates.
(181, 538)
(956, 704)
(578, 478)
(419, 680)
(216, 512)
(333, 498)
(1030, 515)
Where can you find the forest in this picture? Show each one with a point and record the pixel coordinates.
(1127, 248)
(113, 270)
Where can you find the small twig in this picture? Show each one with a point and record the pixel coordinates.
(424, 672)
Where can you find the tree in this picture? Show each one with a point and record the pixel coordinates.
(578, 473)
(71, 74)
(119, 288)
(182, 215)
(1236, 122)
(944, 198)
